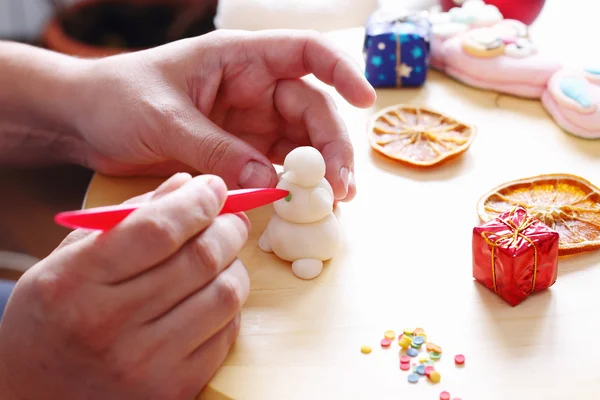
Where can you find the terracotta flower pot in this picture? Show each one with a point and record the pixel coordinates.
(95, 28)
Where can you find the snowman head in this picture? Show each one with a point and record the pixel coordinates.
(304, 166)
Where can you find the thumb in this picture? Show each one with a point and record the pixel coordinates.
(209, 149)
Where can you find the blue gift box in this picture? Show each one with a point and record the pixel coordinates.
(396, 50)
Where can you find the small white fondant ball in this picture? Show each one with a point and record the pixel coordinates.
(304, 166)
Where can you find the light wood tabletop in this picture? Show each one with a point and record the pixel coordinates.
(405, 262)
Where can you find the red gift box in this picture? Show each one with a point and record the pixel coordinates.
(515, 255)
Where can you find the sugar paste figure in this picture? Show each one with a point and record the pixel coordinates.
(303, 230)
(572, 98)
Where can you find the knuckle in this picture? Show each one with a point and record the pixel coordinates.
(231, 292)
(209, 255)
(215, 149)
(159, 232)
(208, 201)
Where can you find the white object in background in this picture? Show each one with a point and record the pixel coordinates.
(16, 261)
(320, 15)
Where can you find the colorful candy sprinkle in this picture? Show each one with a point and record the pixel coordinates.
(444, 395)
(404, 342)
(404, 366)
(428, 370)
(434, 347)
(405, 359)
(423, 360)
(435, 376)
(421, 370)
(386, 342)
(459, 359)
(390, 335)
(418, 340)
(408, 332)
(365, 349)
(418, 331)
(413, 378)
(412, 352)
(434, 355)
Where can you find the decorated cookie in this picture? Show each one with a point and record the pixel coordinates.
(572, 98)
(445, 25)
(502, 58)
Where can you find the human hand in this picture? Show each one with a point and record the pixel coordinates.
(227, 103)
(147, 310)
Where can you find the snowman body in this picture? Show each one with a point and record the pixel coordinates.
(303, 230)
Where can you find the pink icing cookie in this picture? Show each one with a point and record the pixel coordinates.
(501, 58)
(444, 25)
(572, 98)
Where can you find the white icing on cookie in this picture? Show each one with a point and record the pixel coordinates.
(511, 28)
(521, 48)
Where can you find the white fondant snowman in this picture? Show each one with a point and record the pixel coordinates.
(303, 230)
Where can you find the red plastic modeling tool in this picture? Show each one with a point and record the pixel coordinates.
(104, 218)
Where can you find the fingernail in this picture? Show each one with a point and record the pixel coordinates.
(351, 181)
(344, 177)
(255, 175)
(219, 187)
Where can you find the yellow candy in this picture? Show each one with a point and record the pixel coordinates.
(435, 376)
(404, 342)
(422, 359)
(390, 334)
(408, 331)
(365, 349)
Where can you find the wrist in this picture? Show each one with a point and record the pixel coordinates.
(36, 105)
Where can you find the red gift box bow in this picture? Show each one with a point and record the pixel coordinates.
(512, 239)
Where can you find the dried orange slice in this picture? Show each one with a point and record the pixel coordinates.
(566, 203)
(418, 136)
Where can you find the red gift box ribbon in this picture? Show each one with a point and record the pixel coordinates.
(512, 237)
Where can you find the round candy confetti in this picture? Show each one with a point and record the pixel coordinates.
(434, 376)
(418, 340)
(444, 396)
(386, 342)
(428, 370)
(404, 342)
(412, 352)
(459, 359)
(415, 346)
(404, 366)
(390, 334)
(423, 360)
(405, 359)
(434, 347)
(434, 355)
(413, 378)
(365, 349)
(408, 332)
(421, 370)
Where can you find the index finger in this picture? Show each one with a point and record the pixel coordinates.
(293, 54)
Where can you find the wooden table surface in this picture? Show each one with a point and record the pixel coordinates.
(405, 262)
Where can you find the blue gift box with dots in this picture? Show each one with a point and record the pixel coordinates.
(396, 50)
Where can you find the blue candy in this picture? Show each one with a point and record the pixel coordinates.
(593, 71)
(413, 378)
(419, 340)
(421, 370)
(412, 352)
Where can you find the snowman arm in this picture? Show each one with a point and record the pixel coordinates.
(321, 201)
(264, 244)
